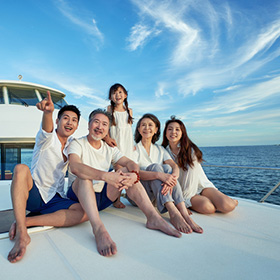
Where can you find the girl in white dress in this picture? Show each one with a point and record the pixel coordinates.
(121, 130)
(159, 173)
(199, 193)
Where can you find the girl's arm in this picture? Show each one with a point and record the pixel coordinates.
(110, 141)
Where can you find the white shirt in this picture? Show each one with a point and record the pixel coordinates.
(157, 155)
(48, 168)
(100, 159)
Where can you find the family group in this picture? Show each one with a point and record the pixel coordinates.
(104, 163)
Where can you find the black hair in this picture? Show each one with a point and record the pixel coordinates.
(137, 135)
(71, 108)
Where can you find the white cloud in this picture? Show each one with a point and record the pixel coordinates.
(232, 108)
(138, 36)
(84, 23)
(161, 90)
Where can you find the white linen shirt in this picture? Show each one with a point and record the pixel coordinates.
(48, 168)
(100, 159)
(157, 155)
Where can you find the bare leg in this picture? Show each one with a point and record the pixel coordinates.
(222, 202)
(85, 192)
(118, 203)
(184, 212)
(154, 221)
(21, 184)
(176, 218)
(202, 204)
(62, 218)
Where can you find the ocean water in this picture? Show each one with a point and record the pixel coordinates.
(246, 183)
(242, 182)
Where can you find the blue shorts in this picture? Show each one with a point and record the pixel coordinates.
(101, 197)
(36, 205)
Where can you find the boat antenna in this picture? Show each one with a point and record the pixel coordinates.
(20, 77)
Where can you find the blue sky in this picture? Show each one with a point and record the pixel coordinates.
(213, 64)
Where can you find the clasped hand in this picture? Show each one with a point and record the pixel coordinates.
(121, 180)
(169, 182)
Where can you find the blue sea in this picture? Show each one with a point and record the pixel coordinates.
(241, 182)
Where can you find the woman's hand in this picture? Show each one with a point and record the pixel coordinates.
(169, 181)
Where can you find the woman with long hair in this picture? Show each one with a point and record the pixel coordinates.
(199, 193)
(159, 173)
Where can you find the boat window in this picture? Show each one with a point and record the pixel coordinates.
(1, 96)
(11, 155)
(26, 97)
(58, 101)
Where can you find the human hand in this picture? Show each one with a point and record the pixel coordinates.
(110, 141)
(130, 179)
(115, 179)
(166, 189)
(46, 105)
(168, 179)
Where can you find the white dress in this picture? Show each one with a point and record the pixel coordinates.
(122, 133)
(193, 180)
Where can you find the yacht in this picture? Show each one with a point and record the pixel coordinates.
(244, 244)
(20, 121)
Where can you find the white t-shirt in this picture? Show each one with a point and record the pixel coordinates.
(157, 155)
(100, 159)
(48, 168)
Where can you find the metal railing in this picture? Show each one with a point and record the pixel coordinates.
(251, 167)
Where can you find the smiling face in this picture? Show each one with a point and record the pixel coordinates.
(173, 133)
(118, 96)
(67, 124)
(147, 128)
(98, 127)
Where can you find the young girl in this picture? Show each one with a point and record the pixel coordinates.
(121, 130)
(199, 193)
(159, 173)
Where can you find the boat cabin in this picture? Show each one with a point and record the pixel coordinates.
(20, 121)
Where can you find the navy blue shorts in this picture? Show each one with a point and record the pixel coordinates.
(36, 205)
(101, 197)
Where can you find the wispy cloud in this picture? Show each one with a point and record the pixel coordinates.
(88, 25)
(262, 117)
(211, 50)
(236, 103)
(160, 91)
(139, 35)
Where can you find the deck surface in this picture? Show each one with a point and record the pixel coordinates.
(244, 244)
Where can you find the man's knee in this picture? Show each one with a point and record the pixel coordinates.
(21, 169)
(81, 183)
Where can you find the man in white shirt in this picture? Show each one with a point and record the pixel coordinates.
(41, 189)
(90, 159)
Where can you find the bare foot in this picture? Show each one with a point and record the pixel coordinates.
(105, 245)
(189, 211)
(12, 231)
(236, 202)
(157, 222)
(18, 251)
(118, 204)
(192, 224)
(180, 224)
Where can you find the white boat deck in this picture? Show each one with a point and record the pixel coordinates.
(244, 244)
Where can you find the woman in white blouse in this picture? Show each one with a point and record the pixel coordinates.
(199, 193)
(159, 173)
